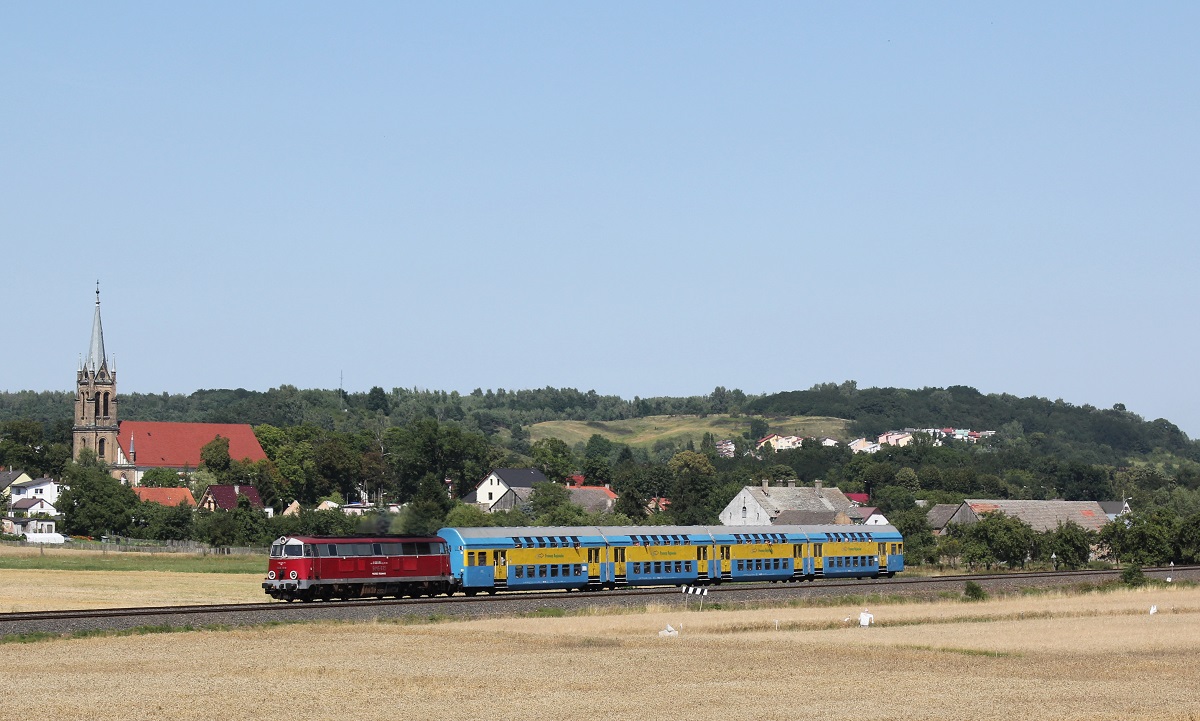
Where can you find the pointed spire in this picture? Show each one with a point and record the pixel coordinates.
(95, 359)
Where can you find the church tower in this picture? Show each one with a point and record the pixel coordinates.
(96, 398)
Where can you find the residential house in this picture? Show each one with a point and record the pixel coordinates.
(862, 445)
(165, 496)
(813, 518)
(859, 499)
(895, 438)
(35, 530)
(30, 507)
(499, 481)
(225, 498)
(43, 488)
(593, 499)
(780, 443)
(1040, 515)
(9, 477)
(761, 505)
(726, 449)
(867, 516)
(1112, 509)
(938, 516)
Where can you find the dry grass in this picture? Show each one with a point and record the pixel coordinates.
(1099, 656)
(645, 432)
(22, 590)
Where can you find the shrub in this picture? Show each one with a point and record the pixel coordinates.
(974, 592)
(1133, 576)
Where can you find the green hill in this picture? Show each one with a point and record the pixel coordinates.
(645, 432)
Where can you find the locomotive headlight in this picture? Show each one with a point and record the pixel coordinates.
(292, 575)
(271, 575)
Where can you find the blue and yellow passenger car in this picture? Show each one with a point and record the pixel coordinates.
(593, 557)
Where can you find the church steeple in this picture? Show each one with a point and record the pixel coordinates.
(96, 398)
(96, 358)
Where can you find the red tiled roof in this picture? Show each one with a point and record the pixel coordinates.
(177, 445)
(165, 496)
(861, 498)
(226, 497)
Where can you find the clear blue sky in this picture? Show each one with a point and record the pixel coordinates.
(641, 199)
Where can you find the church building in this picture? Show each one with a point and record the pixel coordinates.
(130, 448)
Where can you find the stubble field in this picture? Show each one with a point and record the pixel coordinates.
(1094, 656)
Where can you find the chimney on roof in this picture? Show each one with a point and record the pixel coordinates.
(817, 487)
(236, 489)
(792, 483)
(765, 483)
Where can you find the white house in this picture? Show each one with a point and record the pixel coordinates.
(762, 505)
(46, 489)
(499, 482)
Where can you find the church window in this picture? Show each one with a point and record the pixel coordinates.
(106, 405)
(100, 448)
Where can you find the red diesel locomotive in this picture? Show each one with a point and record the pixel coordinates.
(325, 567)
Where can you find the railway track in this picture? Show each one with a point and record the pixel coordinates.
(71, 621)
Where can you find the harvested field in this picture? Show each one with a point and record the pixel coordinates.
(1095, 656)
(57, 590)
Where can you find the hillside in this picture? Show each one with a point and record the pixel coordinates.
(648, 431)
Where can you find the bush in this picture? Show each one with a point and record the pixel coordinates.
(1133, 576)
(974, 592)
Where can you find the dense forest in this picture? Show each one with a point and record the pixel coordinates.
(401, 446)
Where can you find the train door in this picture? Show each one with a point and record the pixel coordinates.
(594, 559)
(702, 563)
(883, 559)
(726, 563)
(310, 552)
(501, 568)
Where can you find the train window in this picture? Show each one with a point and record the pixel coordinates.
(470, 558)
(276, 550)
(637, 567)
(516, 542)
(575, 541)
(658, 566)
(292, 550)
(741, 565)
(542, 571)
(529, 571)
(376, 549)
(725, 553)
(483, 558)
(528, 541)
(309, 551)
(679, 567)
(554, 571)
(564, 541)
(519, 572)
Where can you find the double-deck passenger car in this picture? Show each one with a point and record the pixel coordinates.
(591, 557)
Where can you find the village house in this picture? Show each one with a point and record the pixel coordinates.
(165, 496)
(763, 505)
(45, 489)
(1040, 515)
(9, 477)
(225, 498)
(499, 482)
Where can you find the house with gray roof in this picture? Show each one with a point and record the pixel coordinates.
(762, 505)
(9, 477)
(1040, 515)
(497, 483)
(938, 516)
